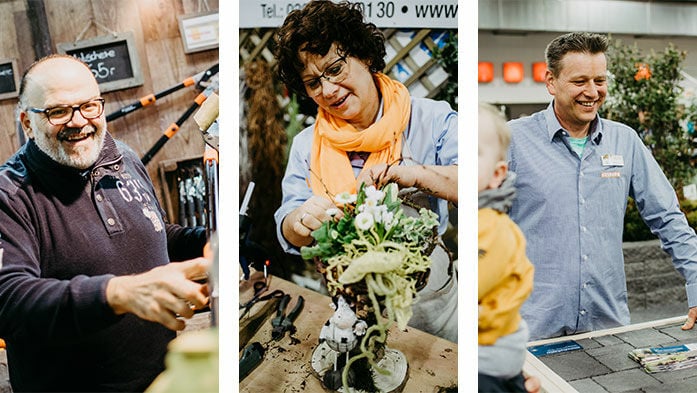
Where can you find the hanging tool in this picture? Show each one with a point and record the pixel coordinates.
(182, 196)
(207, 120)
(199, 188)
(151, 98)
(174, 127)
(210, 162)
(190, 199)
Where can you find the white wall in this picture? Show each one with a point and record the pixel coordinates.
(529, 47)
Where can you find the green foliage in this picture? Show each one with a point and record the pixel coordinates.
(634, 227)
(294, 124)
(690, 210)
(447, 58)
(644, 93)
(636, 230)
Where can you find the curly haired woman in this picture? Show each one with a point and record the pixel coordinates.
(368, 130)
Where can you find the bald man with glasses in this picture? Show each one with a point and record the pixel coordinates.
(90, 294)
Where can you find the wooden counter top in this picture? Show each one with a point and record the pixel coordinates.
(286, 365)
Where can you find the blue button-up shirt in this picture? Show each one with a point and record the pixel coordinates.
(571, 210)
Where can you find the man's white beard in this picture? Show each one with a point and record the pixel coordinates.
(84, 156)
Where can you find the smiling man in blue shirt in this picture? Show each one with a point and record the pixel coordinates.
(575, 171)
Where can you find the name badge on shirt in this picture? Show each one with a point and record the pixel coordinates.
(610, 175)
(612, 160)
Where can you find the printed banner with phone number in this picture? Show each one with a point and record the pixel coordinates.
(397, 13)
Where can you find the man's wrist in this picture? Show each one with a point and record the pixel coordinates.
(114, 295)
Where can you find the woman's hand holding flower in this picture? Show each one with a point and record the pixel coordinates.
(381, 174)
(299, 224)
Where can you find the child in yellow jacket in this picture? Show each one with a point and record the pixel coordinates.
(505, 273)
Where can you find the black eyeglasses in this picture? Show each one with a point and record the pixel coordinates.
(62, 114)
(334, 73)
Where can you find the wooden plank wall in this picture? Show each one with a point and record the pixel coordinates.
(163, 65)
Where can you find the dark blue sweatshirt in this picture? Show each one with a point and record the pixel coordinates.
(63, 234)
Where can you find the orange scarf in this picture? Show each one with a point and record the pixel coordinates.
(331, 171)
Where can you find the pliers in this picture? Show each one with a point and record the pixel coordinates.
(284, 323)
(259, 289)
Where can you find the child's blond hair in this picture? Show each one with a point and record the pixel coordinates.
(500, 126)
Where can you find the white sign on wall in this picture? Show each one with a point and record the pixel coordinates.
(440, 14)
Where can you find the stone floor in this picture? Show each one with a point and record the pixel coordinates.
(603, 365)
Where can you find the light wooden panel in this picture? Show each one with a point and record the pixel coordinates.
(9, 49)
(78, 12)
(157, 20)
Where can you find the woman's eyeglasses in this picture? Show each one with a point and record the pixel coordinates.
(334, 73)
(62, 114)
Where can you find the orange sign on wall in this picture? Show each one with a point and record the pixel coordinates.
(513, 72)
(486, 72)
(539, 70)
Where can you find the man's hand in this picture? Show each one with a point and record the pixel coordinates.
(161, 294)
(691, 317)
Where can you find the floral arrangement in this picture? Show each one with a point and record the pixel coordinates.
(376, 256)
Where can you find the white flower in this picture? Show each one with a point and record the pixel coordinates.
(372, 193)
(364, 221)
(377, 212)
(387, 218)
(345, 198)
(370, 203)
(332, 211)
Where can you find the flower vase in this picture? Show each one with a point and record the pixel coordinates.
(374, 258)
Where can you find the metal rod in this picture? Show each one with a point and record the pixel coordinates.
(247, 198)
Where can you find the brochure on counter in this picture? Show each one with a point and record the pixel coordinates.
(658, 359)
